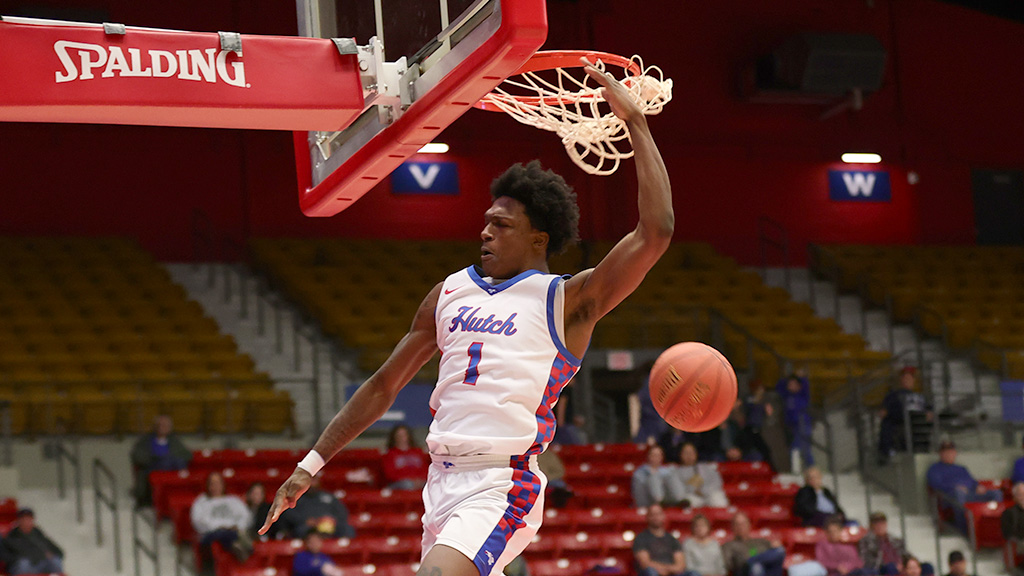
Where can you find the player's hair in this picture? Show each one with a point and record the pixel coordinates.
(550, 202)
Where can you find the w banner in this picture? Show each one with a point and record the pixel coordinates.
(858, 186)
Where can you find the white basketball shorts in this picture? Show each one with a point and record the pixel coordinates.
(487, 507)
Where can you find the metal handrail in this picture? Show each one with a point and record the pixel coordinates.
(74, 460)
(101, 473)
(140, 547)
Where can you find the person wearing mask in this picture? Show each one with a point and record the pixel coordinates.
(311, 561)
(655, 550)
(655, 482)
(703, 553)
(29, 550)
(405, 464)
(813, 502)
(221, 517)
(838, 557)
(881, 552)
(746, 555)
(701, 482)
(159, 450)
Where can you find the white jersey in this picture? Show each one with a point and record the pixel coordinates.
(503, 364)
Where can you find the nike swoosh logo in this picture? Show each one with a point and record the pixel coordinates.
(450, 291)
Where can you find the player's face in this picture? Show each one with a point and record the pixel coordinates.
(509, 239)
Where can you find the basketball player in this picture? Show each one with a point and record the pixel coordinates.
(511, 335)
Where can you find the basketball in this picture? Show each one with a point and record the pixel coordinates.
(693, 387)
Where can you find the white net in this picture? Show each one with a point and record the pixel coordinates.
(566, 101)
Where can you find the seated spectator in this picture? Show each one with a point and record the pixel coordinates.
(405, 464)
(702, 552)
(558, 492)
(671, 442)
(814, 503)
(652, 425)
(656, 552)
(795, 394)
(957, 564)
(312, 561)
(1017, 475)
(221, 517)
(899, 403)
(838, 557)
(160, 450)
(655, 482)
(317, 510)
(913, 567)
(747, 556)
(702, 484)
(29, 550)
(711, 444)
(256, 501)
(1012, 521)
(881, 552)
(956, 485)
(571, 433)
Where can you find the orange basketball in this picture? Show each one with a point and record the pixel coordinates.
(693, 387)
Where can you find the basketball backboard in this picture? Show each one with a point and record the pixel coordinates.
(423, 64)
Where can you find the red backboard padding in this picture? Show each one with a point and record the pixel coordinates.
(77, 73)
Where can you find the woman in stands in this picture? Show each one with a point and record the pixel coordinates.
(511, 336)
(405, 463)
(221, 517)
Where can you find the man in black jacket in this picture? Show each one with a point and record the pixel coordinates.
(814, 503)
(160, 450)
(30, 550)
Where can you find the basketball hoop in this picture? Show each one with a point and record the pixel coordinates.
(552, 92)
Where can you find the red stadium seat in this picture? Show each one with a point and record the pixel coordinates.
(720, 518)
(748, 494)
(389, 524)
(983, 520)
(390, 549)
(802, 540)
(735, 472)
(543, 547)
(577, 545)
(609, 496)
(775, 517)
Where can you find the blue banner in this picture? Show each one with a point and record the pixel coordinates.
(859, 186)
(426, 178)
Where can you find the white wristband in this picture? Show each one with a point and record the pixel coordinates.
(312, 463)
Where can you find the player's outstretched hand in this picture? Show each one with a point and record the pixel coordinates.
(614, 93)
(287, 495)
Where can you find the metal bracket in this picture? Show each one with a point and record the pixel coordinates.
(346, 46)
(231, 42)
(114, 29)
(407, 86)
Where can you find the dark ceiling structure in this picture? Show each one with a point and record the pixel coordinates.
(1010, 9)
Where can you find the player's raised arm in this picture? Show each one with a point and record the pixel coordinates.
(366, 406)
(595, 292)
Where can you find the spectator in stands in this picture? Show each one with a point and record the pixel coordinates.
(702, 552)
(221, 517)
(711, 444)
(838, 557)
(671, 442)
(701, 482)
(256, 500)
(881, 552)
(898, 404)
(957, 564)
(658, 553)
(558, 492)
(318, 510)
(571, 433)
(29, 550)
(159, 450)
(795, 394)
(1012, 521)
(756, 411)
(814, 503)
(652, 425)
(655, 482)
(1018, 471)
(912, 566)
(956, 485)
(748, 556)
(405, 464)
(312, 561)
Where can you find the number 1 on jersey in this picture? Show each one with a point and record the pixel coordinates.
(472, 372)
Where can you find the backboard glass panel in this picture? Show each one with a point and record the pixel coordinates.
(424, 63)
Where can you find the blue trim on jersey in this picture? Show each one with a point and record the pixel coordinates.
(551, 324)
(474, 274)
(526, 488)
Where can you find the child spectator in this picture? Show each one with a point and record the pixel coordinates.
(312, 561)
(747, 556)
(159, 450)
(656, 552)
(30, 551)
(405, 463)
(956, 484)
(655, 482)
(701, 482)
(795, 394)
(814, 503)
(901, 402)
(256, 501)
(221, 517)
(881, 553)
(838, 557)
(703, 553)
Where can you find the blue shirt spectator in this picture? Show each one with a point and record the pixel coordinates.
(1018, 472)
(956, 483)
(312, 561)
